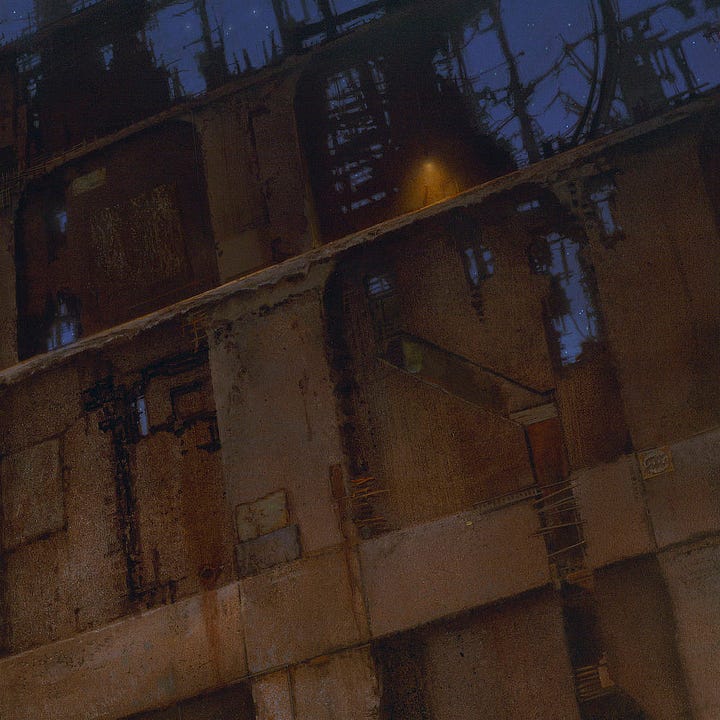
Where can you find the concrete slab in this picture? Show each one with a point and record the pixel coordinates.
(148, 661)
(272, 696)
(342, 686)
(456, 563)
(638, 630)
(506, 662)
(39, 409)
(276, 414)
(298, 611)
(262, 516)
(32, 494)
(613, 510)
(686, 501)
(268, 550)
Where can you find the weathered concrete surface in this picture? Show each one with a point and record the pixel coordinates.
(261, 516)
(510, 338)
(231, 703)
(435, 454)
(638, 633)
(93, 576)
(147, 661)
(432, 570)
(184, 523)
(74, 579)
(272, 696)
(692, 573)
(280, 166)
(342, 686)
(260, 553)
(237, 207)
(659, 295)
(300, 610)
(32, 493)
(590, 405)
(274, 349)
(8, 309)
(613, 511)
(434, 446)
(161, 204)
(685, 502)
(507, 663)
(38, 601)
(276, 415)
(41, 409)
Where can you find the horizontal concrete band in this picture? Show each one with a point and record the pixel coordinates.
(281, 617)
(304, 609)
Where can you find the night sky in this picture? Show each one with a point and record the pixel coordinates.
(537, 34)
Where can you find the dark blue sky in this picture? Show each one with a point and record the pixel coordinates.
(537, 33)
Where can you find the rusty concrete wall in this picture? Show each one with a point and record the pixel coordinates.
(684, 500)
(613, 506)
(238, 208)
(436, 296)
(341, 687)
(459, 562)
(280, 167)
(276, 413)
(660, 295)
(147, 661)
(232, 703)
(123, 519)
(256, 188)
(432, 452)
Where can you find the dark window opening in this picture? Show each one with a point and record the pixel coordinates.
(477, 258)
(528, 206)
(571, 307)
(65, 327)
(108, 54)
(56, 223)
(602, 192)
(379, 286)
(139, 406)
(32, 88)
(61, 219)
(381, 292)
(479, 264)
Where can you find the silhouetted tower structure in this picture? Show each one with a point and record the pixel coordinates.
(211, 59)
(48, 11)
(75, 91)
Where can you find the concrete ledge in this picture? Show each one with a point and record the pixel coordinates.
(685, 501)
(613, 511)
(140, 663)
(456, 563)
(300, 610)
